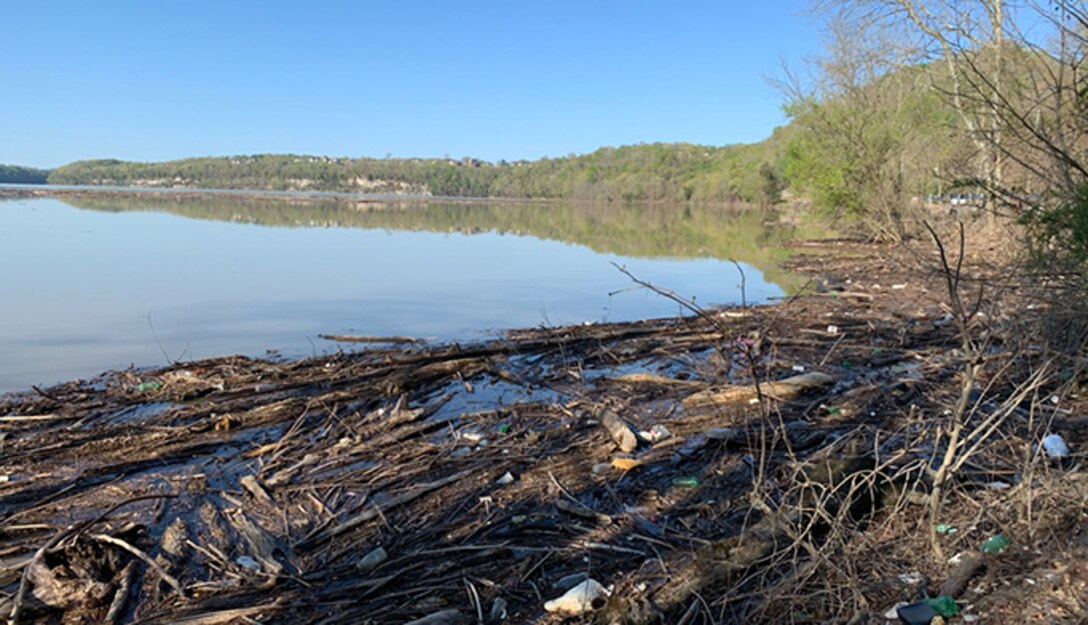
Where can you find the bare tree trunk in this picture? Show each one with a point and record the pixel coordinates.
(997, 25)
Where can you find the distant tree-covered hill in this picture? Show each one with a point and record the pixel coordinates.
(645, 172)
(23, 175)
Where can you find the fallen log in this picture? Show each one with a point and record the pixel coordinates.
(358, 338)
(788, 388)
(969, 566)
(868, 297)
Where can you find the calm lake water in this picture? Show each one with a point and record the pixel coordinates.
(104, 283)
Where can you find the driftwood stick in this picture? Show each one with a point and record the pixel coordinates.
(221, 617)
(358, 338)
(154, 566)
(834, 295)
(120, 598)
(373, 511)
(26, 418)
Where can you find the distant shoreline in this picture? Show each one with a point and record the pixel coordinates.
(47, 190)
(9, 190)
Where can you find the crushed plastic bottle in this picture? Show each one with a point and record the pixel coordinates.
(585, 597)
(1055, 446)
(920, 613)
(248, 563)
(656, 434)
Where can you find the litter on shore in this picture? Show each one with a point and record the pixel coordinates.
(615, 470)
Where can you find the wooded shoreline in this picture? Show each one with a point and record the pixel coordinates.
(244, 194)
(306, 197)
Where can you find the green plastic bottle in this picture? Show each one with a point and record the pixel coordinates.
(944, 605)
(995, 544)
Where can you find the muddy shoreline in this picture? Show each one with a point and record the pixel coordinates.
(675, 461)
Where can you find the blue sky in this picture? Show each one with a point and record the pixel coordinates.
(163, 79)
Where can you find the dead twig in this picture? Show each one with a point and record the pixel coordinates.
(154, 566)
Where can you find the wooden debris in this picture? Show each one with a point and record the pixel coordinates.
(326, 458)
(375, 510)
(355, 338)
(858, 295)
(969, 565)
(223, 617)
(261, 545)
(120, 597)
(166, 577)
(788, 388)
(253, 487)
(28, 418)
(721, 562)
(582, 511)
(11, 567)
(54, 589)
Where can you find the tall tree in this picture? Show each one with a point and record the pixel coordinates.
(868, 130)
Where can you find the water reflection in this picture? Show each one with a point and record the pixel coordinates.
(742, 232)
(99, 283)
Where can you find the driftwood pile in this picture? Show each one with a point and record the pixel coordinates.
(451, 483)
